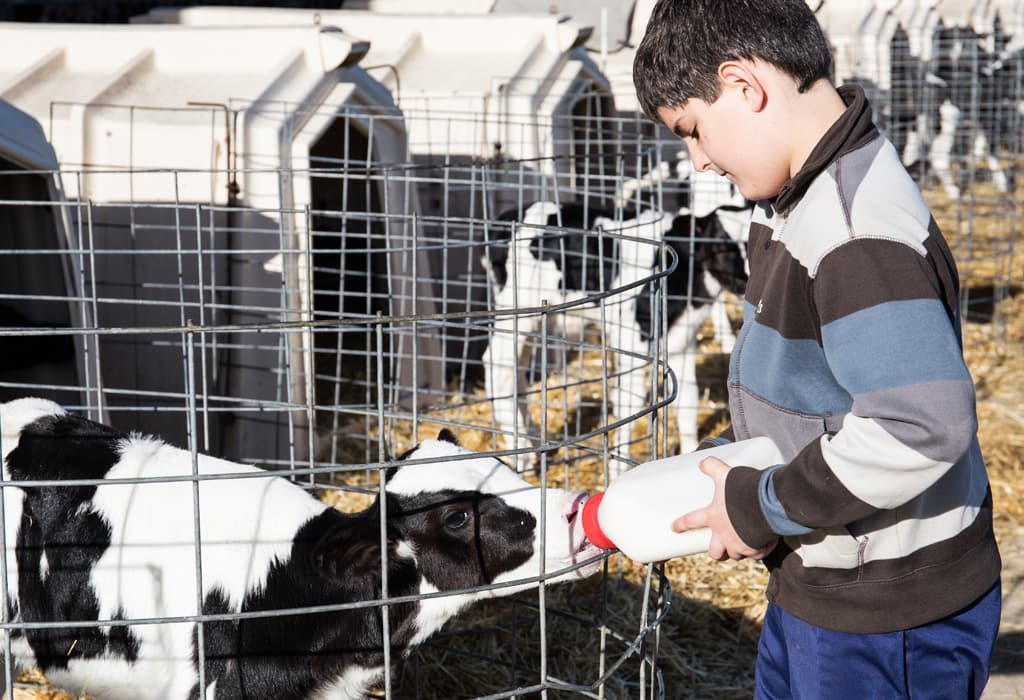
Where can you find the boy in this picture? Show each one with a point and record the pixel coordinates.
(877, 530)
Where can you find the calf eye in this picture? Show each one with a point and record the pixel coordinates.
(456, 519)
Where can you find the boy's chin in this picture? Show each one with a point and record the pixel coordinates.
(756, 194)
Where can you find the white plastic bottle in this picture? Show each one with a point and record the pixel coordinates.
(635, 513)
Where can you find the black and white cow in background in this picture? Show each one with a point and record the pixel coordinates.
(978, 103)
(699, 193)
(560, 256)
(125, 551)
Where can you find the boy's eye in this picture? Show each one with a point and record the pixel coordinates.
(683, 134)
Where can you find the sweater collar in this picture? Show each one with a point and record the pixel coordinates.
(852, 130)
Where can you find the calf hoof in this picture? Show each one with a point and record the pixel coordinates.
(688, 444)
(526, 461)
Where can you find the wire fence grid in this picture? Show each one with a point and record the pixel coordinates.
(319, 317)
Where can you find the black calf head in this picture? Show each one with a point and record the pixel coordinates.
(462, 519)
(718, 254)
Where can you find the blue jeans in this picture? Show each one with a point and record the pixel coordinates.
(948, 658)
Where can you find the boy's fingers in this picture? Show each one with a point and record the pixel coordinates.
(691, 521)
(762, 553)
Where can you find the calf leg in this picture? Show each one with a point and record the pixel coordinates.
(723, 327)
(629, 390)
(502, 381)
(682, 360)
(632, 351)
(982, 151)
(914, 146)
(940, 155)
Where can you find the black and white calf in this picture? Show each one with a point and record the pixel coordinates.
(700, 193)
(979, 105)
(560, 254)
(122, 551)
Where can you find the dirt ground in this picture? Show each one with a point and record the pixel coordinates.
(994, 350)
(1000, 402)
(1007, 681)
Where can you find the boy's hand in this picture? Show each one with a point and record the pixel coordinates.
(725, 543)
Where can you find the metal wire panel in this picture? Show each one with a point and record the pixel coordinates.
(316, 340)
(947, 86)
(322, 314)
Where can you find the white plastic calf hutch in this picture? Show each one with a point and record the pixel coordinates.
(191, 153)
(516, 87)
(509, 105)
(36, 274)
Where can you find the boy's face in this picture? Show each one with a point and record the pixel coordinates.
(728, 137)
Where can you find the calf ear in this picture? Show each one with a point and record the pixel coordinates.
(447, 436)
(350, 553)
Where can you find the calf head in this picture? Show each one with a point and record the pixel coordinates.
(570, 235)
(715, 251)
(458, 521)
(727, 263)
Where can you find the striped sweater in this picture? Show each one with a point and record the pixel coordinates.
(850, 359)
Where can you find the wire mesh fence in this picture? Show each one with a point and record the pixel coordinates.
(322, 341)
(317, 288)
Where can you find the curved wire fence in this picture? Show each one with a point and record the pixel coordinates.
(320, 342)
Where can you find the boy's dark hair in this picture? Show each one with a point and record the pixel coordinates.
(687, 40)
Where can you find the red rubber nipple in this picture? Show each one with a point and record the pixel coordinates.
(591, 527)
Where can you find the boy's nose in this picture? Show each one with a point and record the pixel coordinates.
(700, 161)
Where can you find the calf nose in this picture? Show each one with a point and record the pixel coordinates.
(524, 526)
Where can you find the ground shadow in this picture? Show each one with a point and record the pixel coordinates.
(1009, 654)
(702, 650)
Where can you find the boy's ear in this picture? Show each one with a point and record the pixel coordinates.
(742, 75)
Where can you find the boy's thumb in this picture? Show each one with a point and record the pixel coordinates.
(712, 465)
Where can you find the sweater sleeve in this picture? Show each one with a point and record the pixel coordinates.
(890, 335)
(723, 438)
